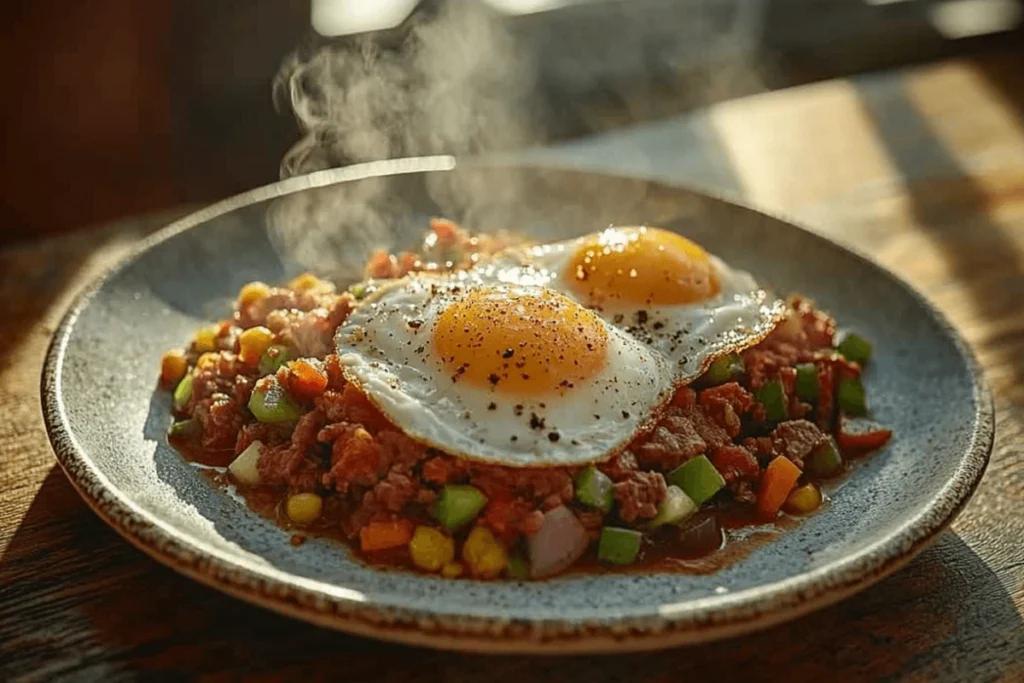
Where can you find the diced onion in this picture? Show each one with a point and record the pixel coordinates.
(244, 468)
(560, 541)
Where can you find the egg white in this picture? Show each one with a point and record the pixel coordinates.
(385, 348)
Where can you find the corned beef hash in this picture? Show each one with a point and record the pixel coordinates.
(488, 408)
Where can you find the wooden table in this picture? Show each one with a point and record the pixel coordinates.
(923, 168)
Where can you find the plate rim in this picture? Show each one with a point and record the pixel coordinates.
(334, 606)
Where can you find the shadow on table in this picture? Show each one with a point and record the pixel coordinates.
(32, 278)
(75, 597)
(35, 275)
(952, 205)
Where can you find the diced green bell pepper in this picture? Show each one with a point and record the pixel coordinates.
(807, 382)
(180, 430)
(773, 397)
(824, 461)
(594, 488)
(674, 507)
(274, 357)
(851, 397)
(273, 405)
(183, 392)
(518, 568)
(458, 504)
(723, 369)
(618, 546)
(855, 348)
(697, 478)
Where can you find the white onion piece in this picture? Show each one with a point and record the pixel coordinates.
(245, 468)
(560, 541)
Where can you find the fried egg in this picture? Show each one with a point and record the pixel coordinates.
(505, 373)
(663, 289)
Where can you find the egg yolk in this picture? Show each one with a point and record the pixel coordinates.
(644, 266)
(520, 340)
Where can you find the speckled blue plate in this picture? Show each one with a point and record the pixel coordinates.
(107, 422)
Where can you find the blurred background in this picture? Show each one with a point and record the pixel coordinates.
(115, 107)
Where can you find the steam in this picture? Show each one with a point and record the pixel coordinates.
(457, 84)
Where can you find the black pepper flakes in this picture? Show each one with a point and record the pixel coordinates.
(508, 353)
(493, 379)
(554, 437)
(625, 414)
(492, 406)
(536, 422)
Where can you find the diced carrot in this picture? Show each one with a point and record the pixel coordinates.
(445, 230)
(381, 265)
(384, 535)
(306, 381)
(406, 262)
(778, 480)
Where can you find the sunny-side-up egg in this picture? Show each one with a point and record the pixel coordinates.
(662, 288)
(508, 374)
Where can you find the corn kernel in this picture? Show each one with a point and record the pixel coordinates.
(253, 343)
(208, 361)
(451, 570)
(483, 553)
(173, 367)
(305, 281)
(304, 508)
(206, 339)
(803, 500)
(362, 434)
(252, 293)
(430, 549)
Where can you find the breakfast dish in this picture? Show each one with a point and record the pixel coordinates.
(491, 408)
(108, 423)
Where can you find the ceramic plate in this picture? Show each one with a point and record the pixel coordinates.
(107, 421)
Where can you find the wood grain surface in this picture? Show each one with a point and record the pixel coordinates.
(922, 168)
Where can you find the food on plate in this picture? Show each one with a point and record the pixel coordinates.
(491, 409)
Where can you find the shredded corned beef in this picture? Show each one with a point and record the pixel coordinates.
(509, 518)
(221, 419)
(367, 470)
(620, 465)
(796, 439)
(674, 441)
(638, 495)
